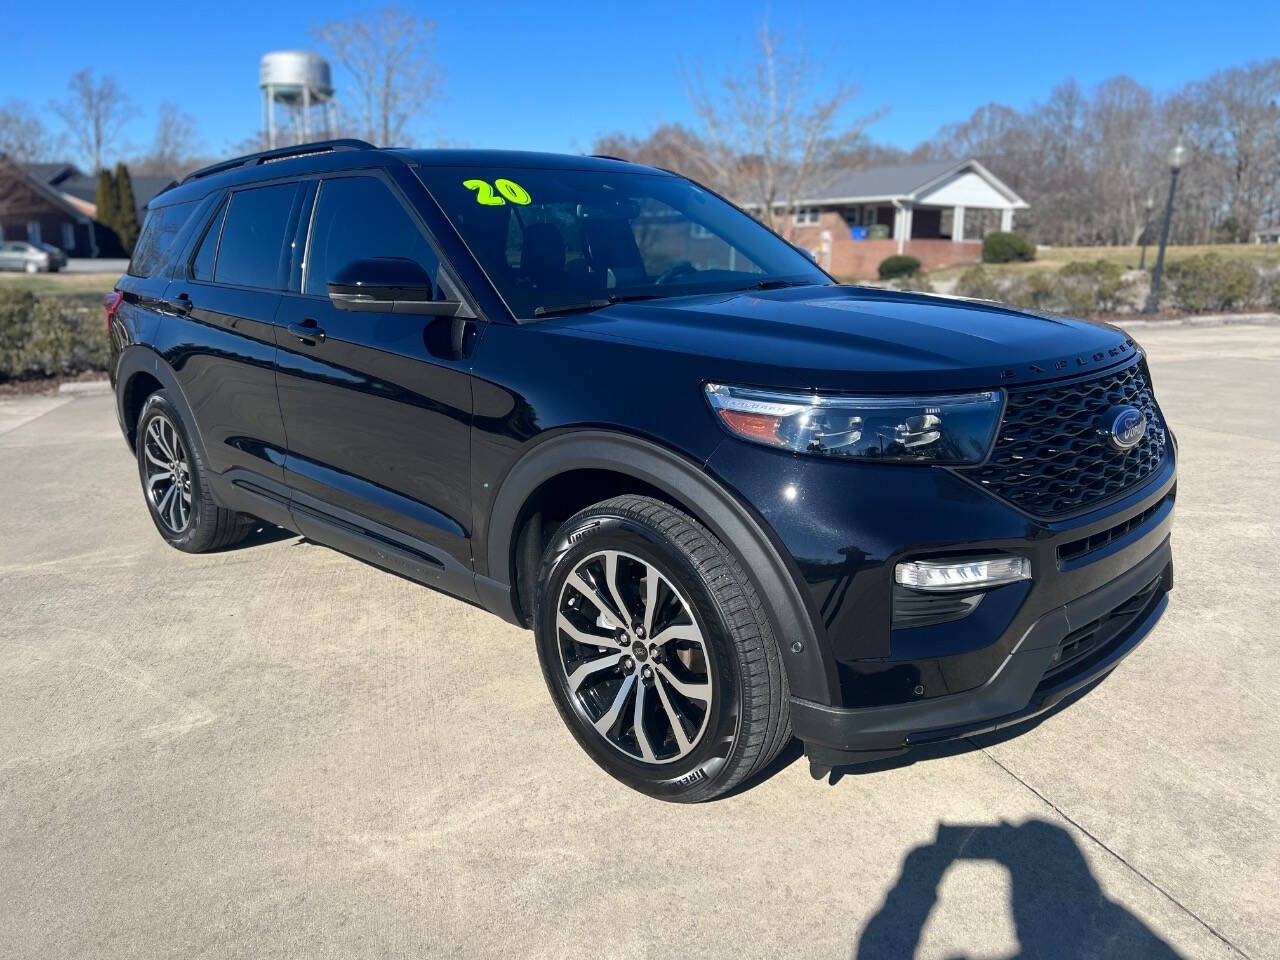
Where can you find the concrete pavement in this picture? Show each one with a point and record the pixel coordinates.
(277, 751)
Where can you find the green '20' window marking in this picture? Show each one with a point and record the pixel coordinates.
(508, 188)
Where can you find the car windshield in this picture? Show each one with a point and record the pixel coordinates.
(560, 241)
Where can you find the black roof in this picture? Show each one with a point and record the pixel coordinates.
(347, 154)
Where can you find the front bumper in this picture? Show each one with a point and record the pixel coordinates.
(1026, 684)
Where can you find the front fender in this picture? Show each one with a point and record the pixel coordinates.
(810, 669)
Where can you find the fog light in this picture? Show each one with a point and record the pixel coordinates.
(962, 574)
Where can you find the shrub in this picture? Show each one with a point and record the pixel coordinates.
(1271, 291)
(1035, 291)
(979, 284)
(916, 283)
(1210, 281)
(1097, 287)
(1006, 247)
(898, 266)
(50, 336)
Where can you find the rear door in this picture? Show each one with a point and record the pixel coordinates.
(220, 340)
(377, 406)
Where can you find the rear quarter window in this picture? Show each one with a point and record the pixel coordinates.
(161, 229)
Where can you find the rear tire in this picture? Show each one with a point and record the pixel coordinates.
(698, 651)
(174, 487)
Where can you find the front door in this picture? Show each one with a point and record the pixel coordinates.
(376, 406)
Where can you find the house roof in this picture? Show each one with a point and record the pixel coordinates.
(68, 179)
(52, 194)
(51, 173)
(905, 181)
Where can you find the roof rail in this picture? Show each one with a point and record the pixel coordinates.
(607, 156)
(280, 153)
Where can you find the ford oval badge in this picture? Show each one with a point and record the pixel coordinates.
(1124, 427)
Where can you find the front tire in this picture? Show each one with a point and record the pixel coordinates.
(658, 652)
(174, 487)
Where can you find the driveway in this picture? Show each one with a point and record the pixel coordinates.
(277, 751)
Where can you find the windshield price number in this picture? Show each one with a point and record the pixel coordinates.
(508, 189)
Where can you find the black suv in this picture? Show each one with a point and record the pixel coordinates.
(734, 499)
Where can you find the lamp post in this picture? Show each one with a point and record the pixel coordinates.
(1176, 157)
(1148, 205)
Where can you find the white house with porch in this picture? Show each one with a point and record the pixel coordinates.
(921, 209)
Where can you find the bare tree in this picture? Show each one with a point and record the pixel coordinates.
(95, 114)
(1086, 160)
(387, 52)
(670, 146)
(771, 136)
(176, 147)
(23, 136)
(1232, 123)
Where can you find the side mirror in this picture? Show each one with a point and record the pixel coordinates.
(388, 285)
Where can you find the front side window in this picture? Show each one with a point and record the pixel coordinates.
(252, 244)
(549, 239)
(359, 218)
(161, 229)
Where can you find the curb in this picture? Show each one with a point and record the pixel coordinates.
(1207, 320)
(76, 387)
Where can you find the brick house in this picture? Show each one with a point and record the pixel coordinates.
(936, 211)
(56, 203)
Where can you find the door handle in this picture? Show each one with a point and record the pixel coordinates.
(307, 331)
(181, 305)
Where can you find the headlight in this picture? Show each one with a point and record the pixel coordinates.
(957, 428)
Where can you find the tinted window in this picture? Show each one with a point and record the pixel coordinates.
(252, 243)
(359, 218)
(202, 264)
(161, 228)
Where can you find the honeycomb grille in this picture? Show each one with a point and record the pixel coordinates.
(1050, 458)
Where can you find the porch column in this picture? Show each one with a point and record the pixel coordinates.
(957, 225)
(903, 221)
(1006, 220)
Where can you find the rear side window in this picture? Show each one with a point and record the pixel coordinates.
(160, 230)
(253, 236)
(359, 218)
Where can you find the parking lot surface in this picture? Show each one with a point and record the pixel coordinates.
(277, 751)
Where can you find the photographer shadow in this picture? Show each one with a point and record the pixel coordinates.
(1058, 908)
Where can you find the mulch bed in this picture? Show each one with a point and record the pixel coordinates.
(33, 387)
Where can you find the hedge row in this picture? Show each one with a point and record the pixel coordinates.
(49, 336)
(1204, 283)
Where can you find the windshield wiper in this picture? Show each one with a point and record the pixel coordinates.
(588, 305)
(779, 284)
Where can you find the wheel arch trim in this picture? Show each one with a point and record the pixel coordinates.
(808, 663)
(136, 359)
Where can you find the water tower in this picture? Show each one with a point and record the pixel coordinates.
(299, 80)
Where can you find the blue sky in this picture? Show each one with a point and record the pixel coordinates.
(552, 76)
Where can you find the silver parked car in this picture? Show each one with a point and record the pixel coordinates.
(31, 257)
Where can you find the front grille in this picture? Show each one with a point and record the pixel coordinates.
(1075, 549)
(1098, 636)
(1050, 458)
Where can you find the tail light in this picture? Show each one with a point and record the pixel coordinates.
(111, 303)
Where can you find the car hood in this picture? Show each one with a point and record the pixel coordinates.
(842, 337)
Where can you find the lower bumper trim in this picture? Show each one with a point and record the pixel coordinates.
(1019, 690)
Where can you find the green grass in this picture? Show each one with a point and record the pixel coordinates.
(79, 285)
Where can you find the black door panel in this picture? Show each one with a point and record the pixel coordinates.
(382, 431)
(223, 353)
